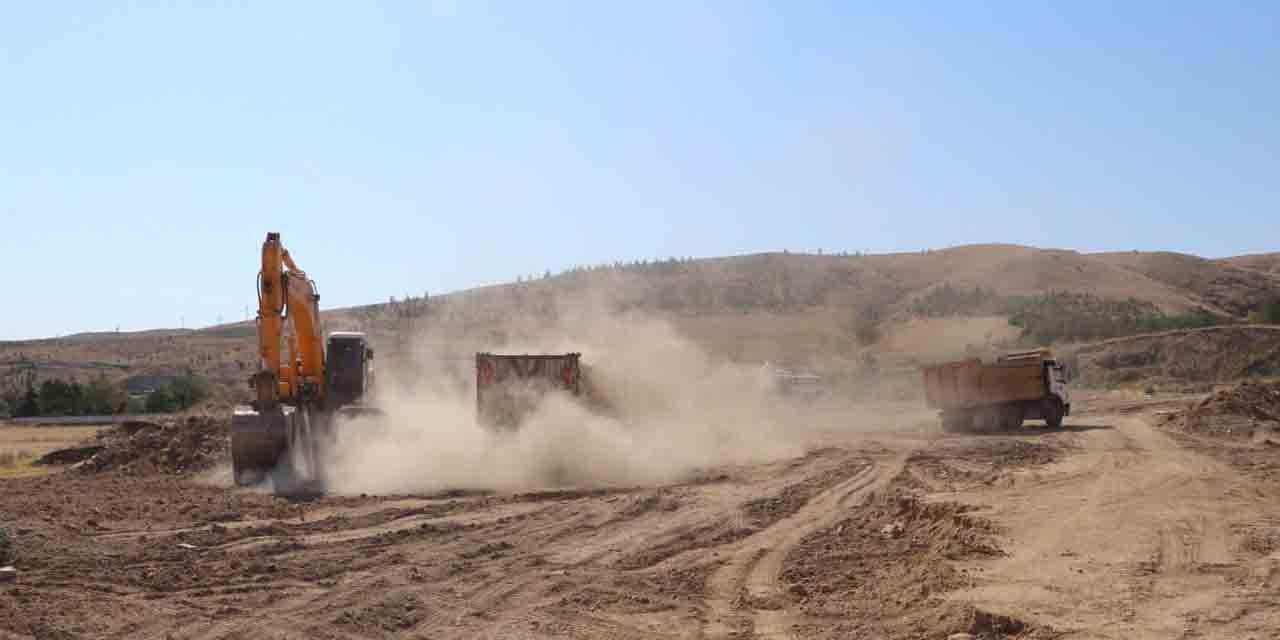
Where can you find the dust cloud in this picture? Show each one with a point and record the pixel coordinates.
(659, 410)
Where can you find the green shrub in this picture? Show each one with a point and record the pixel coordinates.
(7, 553)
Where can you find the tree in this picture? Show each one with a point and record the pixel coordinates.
(60, 398)
(179, 394)
(7, 553)
(161, 401)
(1271, 312)
(101, 397)
(30, 405)
(135, 405)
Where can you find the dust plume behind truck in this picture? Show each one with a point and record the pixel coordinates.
(973, 395)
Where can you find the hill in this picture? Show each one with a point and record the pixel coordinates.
(821, 311)
(1193, 356)
(1262, 262)
(1220, 285)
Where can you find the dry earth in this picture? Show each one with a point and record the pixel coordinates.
(887, 528)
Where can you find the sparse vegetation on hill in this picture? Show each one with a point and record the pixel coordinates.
(1213, 354)
(7, 553)
(1218, 285)
(1081, 318)
(1061, 316)
(1266, 313)
(947, 300)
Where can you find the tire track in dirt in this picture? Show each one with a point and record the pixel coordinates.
(751, 577)
(1140, 545)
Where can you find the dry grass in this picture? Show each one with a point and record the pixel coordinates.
(21, 445)
(11, 459)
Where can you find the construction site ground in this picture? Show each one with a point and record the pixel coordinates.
(1118, 526)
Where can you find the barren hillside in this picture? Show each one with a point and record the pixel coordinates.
(1218, 284)
(1264, 262)
(781, 307)
(1209, 355)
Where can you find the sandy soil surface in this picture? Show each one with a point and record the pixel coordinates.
(1111, 528)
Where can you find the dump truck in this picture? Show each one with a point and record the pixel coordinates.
(510, 387)
(984, 396)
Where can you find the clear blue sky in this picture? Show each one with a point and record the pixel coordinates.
(401, 148)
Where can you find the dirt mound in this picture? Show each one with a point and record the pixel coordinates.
(1249, 410)
(879, 570)
(181, 445)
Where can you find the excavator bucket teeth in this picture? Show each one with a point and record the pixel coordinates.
(258, 441)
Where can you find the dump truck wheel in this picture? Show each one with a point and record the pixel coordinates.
(1011, 416)
(1053, 412)
(988, 419)
(957, 421)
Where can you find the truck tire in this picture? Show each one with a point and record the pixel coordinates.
(1053, 412)
(957, 421)
(988, 419)
(1011, 416)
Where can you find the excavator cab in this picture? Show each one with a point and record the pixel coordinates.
(348, 368)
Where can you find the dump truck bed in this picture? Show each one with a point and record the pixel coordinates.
(967, 384)
(509, 387)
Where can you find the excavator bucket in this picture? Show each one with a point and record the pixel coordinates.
(258, 442)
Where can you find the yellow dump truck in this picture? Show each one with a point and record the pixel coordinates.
(985, 396)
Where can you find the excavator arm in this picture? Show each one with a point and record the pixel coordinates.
(289, 388)
(301, 384)
(287, 299)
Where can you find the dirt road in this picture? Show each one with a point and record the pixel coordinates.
(1108, 529)
(1134, 536)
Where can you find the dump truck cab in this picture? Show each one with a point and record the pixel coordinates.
(1057, 378)
(1053, 373)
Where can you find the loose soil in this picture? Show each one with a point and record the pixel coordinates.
(1111, 527)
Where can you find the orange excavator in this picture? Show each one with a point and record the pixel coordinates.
(304, 383)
